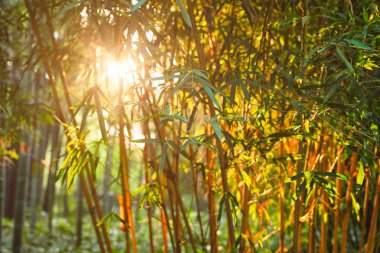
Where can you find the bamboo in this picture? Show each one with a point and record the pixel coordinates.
(79, 215)
(93, 192)
(163, 210)
(375, 213)
(363, 222)
(59, 111)
(337, 203)
(91, 208)
(196, 195)
(211, 200)
(281, 248)
(21, 192)
(324, 168)
(147, 181)
(347, 214)
(125, 175)
(2, 195)
(244, 230)
(297, 228)
(221, 152)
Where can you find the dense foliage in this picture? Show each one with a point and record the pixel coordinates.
(199, 126)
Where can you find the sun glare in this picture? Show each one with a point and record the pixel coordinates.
(121, 70)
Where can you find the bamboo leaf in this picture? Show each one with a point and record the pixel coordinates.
(298, 192)
(101, 118)
(331, 174)
(331, 92)
(184, 13)
(344, 59)
(312, 52)
(149, 140)
(177, 87)
(178, 149)
(293, 178)
(245, 91)
(107, 216)
(84, 119)
(138, 190)
(359, 44)
(192, 116)
(355, 206)
(281, 134)
(232, 94)
(216, 127)
(220, 209)
(211, 95)
(200, 73)
(69, 7)
(137, 5)
(360, 178)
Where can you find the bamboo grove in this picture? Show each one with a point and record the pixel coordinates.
(189, 126)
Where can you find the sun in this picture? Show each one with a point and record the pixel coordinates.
(121, 70)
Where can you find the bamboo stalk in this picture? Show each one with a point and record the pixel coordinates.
(2, 195)
(281, 248)
(211, 200)
(324, 168)
(79, 215)
(147, 181)
(23, 168)
(244, 230)
(297, 228)
(163, 208)
(196, 195)
(91, 208)
(337, 203)
(347, 214)
(363, 223)
(125, 175)
(221, 152)
(374, 217)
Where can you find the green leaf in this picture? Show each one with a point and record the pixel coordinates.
(360, 178)
(281, 134)
(365, 15)
(220, 209)
(138, 190)
(245, 91)
(151, 140)
(311, 54)
(344, 59)
(177, 87)
(136, 6)
(359, 44)
(216, 127)
(331, 92)
(69, 7)
(304, 20)
(211, 95)
(200, 73)
(299, 191)
(331, 174)
(178, 149)
(355, 206)
(101, 118)
(108, 215)
(84, 119)
(293, 178)
(185, 15)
